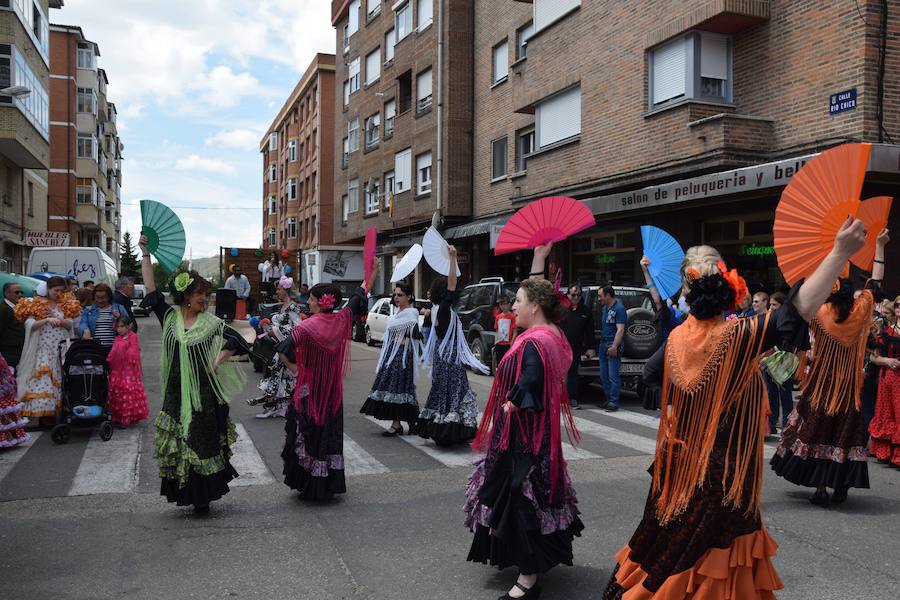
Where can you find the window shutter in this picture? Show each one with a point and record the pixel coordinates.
(354, 67)
(354, 17)
(373, 66)
(389, 46)
(423, 85)
(559, 117)
(390, 110)
(669, 66)
(501, 61)
(713, 56)
(547, 11)
(426, 12)
(402, 169)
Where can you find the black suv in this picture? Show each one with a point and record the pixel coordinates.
(477, 307)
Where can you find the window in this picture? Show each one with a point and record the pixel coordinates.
(15, 70)
(353, 134)
(373, 8)
(86, 101)
(345, 157)
(674, 74)
(522, 34)
(547, 12)
(346, 94)
(389, 46)
(423, 90)
(426, 13)
(353, 195)
(354, 75)
(273, 173)
(86, 192)
(86, 56)
(292, 227)
(34, 20)
(273, 141)
(403, 20)
(390, 111)
(403, 168)
(314, 184)
(272, 240)
(87, 146)
(373, 124)
(292, 151)
(30, 199)
(345, 208)
(524, 147)
(345, 38)
(404, 83)
(353, 18)
(292, 189)
(423, 173)
(373, 192)
(498, 159)
(388, 188)
(500, 70)
(558, 117)
(373, 66)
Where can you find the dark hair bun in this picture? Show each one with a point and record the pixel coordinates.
(710, 296)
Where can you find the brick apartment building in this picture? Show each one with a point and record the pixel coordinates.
(24, 125)
(403, 109)
(298, 176)
(647, 110)
(85, 150)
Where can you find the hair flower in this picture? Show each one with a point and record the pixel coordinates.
(693, 274)
(286, 282)
(182, 281)
(326, 302)
(737, 283)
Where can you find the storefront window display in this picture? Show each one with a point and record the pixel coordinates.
(746, 244)
(606, 256)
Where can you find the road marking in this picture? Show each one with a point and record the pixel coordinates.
(359, 462)
(616, 436)
(637, 418)
(10, 456)
(455, 456)
(571, 453)
(247, 462)
(109, 467)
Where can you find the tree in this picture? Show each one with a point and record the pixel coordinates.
(128, 258)
(162, 277)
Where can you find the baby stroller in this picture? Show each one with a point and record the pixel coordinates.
(84, 392)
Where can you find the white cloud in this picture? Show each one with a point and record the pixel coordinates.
(195, 162)
(241, 139)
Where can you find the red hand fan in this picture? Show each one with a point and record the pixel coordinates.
(814, 205)
(369, 252)
(550, 219)
(874, 212)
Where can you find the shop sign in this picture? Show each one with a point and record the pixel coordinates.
(604, 259)
(754, 250)
(495, 233)
(842, 102)
(462, 258)
(46, 238)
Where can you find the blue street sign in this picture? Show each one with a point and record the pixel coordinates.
(842, 102)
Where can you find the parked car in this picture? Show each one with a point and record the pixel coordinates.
(376, 320)
(358, 329)
(136, 298)
(477, 306)
(643, 336)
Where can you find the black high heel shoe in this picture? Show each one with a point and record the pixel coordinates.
(531, 593)
(821, 498)
(391, 432)
(840, 495)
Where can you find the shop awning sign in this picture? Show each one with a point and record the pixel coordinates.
(46, 238)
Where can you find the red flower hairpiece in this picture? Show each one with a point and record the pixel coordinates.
(692, 273)
(326, 302)
(737, 283)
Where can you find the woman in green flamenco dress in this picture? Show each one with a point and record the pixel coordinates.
(193, 431)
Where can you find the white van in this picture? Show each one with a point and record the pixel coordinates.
(86, 263)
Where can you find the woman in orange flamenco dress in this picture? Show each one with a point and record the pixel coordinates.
(702, 536)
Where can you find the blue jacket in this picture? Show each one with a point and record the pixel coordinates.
(89, 317)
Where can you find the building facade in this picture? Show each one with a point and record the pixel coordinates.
(403, 119)
(85, 151)
(298, 175)
(689, 115)
(24, 125)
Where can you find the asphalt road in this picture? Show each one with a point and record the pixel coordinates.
(85, 521)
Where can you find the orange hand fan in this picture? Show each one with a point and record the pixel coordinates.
(874, 212)
(815, 204)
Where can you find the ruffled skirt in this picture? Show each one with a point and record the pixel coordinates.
(313, 455)
(393, 395)
(885, 426)
(127, 400)
(450, 415)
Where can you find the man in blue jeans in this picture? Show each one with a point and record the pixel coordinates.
(613, 317)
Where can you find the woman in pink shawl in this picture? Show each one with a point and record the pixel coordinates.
(318, 350)
(127, 400)
(520, 502)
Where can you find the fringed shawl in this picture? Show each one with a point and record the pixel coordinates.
(836, 375)
(320, 346)
(125, 355)
(711, 377)
(455, 340)
(556, 356)
(399, 336)
(197, 349)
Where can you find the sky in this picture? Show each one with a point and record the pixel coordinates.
(196, 84)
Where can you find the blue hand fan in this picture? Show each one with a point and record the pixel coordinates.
(665, 256)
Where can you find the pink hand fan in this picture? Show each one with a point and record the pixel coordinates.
(369, 252)
(550, 219)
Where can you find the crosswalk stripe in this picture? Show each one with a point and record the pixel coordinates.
(571, 453)
(247, 461)
(359, 462)
(10, 456)
(456, 456)
(637, 418)
(616, 436)
(109, 467)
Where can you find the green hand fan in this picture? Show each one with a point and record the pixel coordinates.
(165, 234)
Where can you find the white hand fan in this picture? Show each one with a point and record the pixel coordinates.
(407, 264)
(437, 252)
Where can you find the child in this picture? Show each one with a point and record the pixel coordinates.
(127, 400)
(505, 326)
